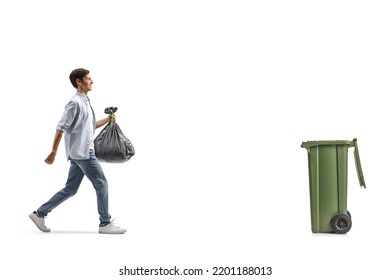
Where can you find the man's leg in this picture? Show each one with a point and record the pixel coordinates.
(72, 185)
(94, 172)
(75, 177)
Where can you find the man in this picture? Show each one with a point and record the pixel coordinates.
(78, 125)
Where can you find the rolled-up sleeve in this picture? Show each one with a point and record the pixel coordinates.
(68, 116)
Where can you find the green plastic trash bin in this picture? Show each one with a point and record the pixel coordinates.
(328, 176)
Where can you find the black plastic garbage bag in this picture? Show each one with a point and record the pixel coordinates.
(111, 145)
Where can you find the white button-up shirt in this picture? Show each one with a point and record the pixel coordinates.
(78, 122)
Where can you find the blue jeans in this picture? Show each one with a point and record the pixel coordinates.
(94, 172)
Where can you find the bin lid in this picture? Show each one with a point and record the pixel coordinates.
(358, 165)
(310, 144)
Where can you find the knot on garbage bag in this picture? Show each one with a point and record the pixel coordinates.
(110, 110)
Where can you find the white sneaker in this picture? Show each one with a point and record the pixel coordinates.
(111, 229)
(39, 222)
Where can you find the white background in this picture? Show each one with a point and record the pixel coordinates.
(217, 97)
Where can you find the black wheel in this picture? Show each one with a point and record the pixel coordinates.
(349, 214)
(341, 223)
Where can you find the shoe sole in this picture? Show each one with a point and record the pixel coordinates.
(112, 232)
(37, 225)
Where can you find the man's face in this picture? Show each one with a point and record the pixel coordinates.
(85, 84)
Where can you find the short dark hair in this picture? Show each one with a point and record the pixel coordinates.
(78, 73)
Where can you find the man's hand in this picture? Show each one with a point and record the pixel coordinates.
(106, 120)
(57, 139)
(50, 158)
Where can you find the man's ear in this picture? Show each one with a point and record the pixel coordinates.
(78, 82)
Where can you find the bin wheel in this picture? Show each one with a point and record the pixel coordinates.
(341, 223)
(349, 214)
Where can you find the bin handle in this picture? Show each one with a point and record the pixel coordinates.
(358, 164)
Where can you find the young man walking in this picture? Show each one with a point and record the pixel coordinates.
(78, 125)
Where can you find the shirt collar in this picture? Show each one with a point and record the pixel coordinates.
(84, 97)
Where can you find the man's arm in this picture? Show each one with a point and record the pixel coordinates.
(57, 139)
(104, 121)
